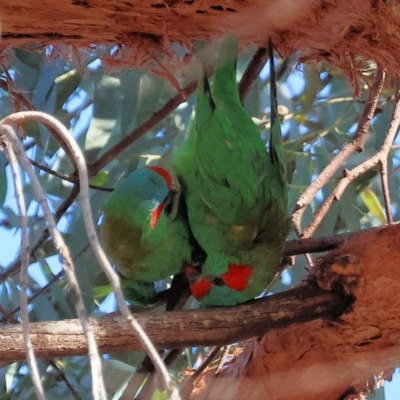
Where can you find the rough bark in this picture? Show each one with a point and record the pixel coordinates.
(325, 359)
(177, 329)
(341, 32)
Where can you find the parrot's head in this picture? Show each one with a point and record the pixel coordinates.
(229, 289)
(170, 204)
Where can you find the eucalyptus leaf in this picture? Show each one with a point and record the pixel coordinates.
(66, 84)
(107, 100)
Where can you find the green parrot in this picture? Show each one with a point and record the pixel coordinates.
(145, 231)
(235, 191)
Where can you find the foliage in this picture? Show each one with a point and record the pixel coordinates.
(103, 106)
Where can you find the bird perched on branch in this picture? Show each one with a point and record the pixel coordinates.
(145, 231)
(235, 191)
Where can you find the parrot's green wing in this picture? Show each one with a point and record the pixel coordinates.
(223, 164)
(236, 192)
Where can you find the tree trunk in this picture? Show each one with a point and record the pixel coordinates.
(327, 359)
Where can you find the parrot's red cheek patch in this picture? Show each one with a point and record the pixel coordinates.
(164, 173)
(237, 277)
(200, 289)
(155, 215)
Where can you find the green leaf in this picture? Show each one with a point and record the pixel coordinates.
(130, 82)
(348, 209)
(107, 101)
(32, 130)
(48, 73)
(100, 179)
(158, 395)
(312, 87)
(66, 84)
(102, 291)
(373, 204)
(31, 59)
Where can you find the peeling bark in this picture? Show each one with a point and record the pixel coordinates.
(325, 359)
(340, 32)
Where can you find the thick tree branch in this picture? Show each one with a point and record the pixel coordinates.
(324, 359)
(177, 329)
(320, 244)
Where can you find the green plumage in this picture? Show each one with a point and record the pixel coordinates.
(140, 237)
(235, 191)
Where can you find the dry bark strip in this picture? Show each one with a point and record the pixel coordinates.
(326, 359)
(177, 329)
(341, 32)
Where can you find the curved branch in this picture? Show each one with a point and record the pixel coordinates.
(98, 388)
(9, 137)
(65, 140)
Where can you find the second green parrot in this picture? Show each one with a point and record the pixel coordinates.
(235, 191)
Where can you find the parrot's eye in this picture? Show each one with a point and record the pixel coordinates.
(218, 281)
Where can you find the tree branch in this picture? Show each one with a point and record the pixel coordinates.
(177, 329)
(379, 158)
(356, 144)
(252, 71)
(320, 244)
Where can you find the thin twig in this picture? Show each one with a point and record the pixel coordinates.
(98, 388)
(379, 158)
(62, 135)
(60, 373)
(150, 384)
(386, 191)
(36, 294)
(356, 144)
(7, 133)
(66, 177)
(187, 388)
(8, 86)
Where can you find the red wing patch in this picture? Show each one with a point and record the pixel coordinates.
(155, 215)
(237, 277)
(164, 173)
(200, 289)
